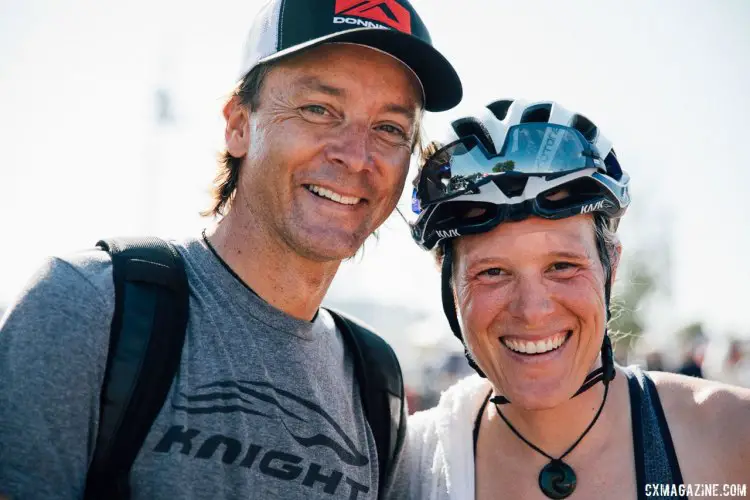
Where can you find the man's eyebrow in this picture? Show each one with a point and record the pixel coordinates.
(316, 84)
(410, 113)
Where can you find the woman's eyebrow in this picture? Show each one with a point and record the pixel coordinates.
(565, 254)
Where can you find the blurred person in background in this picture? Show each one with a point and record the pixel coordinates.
(521, 204)
(265, 403)
(655, 361)
(692, 358)
(727, 360)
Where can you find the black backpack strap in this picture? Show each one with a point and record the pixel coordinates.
(382, 388)
(146, 339)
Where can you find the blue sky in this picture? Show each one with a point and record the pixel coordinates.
(667, 81)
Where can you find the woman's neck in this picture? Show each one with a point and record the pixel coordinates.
(555, 430)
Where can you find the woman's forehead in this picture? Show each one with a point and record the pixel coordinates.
(530, 237)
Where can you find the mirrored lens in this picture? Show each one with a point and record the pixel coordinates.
(531, 148)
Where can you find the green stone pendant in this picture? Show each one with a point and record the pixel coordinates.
(557, 480)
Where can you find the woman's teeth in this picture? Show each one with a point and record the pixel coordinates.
(535, 347)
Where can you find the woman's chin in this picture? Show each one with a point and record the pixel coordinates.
(535, 395)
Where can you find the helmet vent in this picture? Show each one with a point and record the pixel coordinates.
(511, 186)
(585, 127)
(538, 113)
(500, 108)
(471, 126)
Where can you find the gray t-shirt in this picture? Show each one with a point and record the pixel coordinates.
(263, 406)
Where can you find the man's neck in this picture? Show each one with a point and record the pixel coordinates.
(283, 278)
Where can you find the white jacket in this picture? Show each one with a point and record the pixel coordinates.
(440, 443)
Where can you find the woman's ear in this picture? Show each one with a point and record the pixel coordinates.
(237, 132)
(614, 258)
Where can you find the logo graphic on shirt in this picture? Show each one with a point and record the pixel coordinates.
(309, 424)
(306, 422)
(380, 13)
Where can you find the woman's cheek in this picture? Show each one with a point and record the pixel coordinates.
(480, 306)
(483, 320)
(583, 295)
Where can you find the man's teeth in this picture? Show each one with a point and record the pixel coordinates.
(538, 347)
(338, 198)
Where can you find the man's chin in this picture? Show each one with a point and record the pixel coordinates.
(326, 246)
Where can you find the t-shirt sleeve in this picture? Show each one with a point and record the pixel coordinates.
(53, 348)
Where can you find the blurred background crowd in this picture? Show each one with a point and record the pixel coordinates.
(110, 124)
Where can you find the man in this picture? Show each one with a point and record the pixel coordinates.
(265, 402)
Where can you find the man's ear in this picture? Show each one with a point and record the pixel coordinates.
(237, 132)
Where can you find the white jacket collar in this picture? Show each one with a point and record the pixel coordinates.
(457, 412)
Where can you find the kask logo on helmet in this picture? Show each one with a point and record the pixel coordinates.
(383, 14)
(592, 207)
(450, 233)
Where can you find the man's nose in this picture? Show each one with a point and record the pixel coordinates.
(350, 146)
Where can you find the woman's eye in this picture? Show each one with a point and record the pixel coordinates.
(562, 266)
(493, 271)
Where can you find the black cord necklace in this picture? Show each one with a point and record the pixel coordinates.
(557, 479)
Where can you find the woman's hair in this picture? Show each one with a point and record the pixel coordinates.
(228, 171)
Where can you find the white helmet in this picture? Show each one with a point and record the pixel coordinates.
(513, 159)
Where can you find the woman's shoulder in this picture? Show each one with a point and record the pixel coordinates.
(715, 416)
(699, 397)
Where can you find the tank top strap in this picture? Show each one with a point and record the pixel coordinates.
(655, 457)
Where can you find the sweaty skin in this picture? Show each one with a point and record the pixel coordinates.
(342, 117)
(537, 279)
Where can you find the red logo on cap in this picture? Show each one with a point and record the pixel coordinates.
(387, 12)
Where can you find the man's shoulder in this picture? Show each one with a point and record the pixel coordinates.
(716, 416)
(91, 265)
(366, 337)
(83, 276)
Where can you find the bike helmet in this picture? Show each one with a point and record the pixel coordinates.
(512, 160)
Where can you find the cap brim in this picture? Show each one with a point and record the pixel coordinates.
(442, 86)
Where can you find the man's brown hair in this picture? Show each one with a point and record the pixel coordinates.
(228, 171)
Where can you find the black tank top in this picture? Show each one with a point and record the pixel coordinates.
(655, 458)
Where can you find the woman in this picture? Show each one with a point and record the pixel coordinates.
(521, 208)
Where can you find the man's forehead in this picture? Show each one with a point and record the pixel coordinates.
(306, 82)
(328, 68)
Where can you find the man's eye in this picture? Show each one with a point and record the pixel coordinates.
(393, 130)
